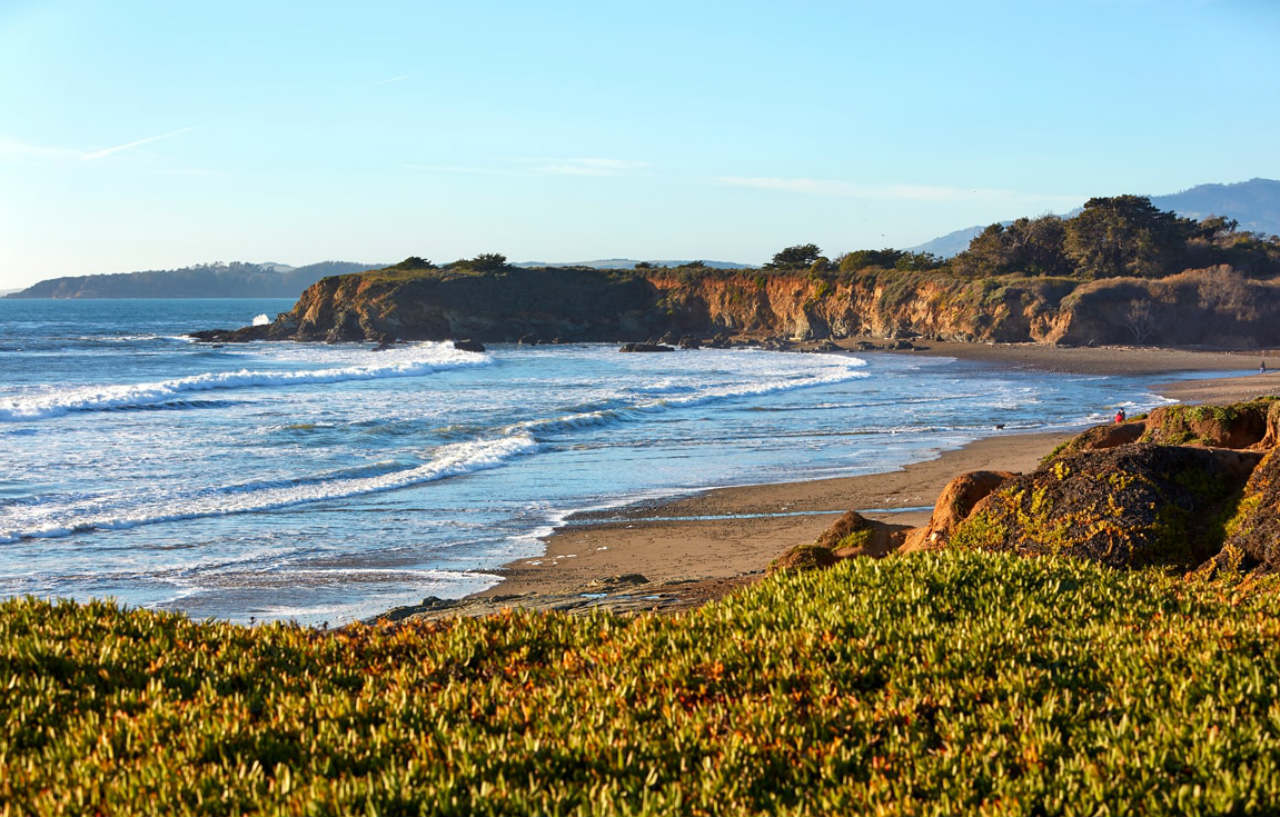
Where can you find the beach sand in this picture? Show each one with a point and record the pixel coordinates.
(669, 555)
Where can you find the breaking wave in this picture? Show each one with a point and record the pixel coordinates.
(138, 395)
(447, 461)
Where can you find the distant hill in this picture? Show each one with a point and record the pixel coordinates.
(945, 246)
(1255, 204)
(629, 263)
(235, 280)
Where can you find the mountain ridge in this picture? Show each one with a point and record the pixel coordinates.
(1254, 203)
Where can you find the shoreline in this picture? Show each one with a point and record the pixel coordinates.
(677, 553)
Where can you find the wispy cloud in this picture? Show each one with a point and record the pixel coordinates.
(389, 80)
(13, 148)
(104, 152)
(466, 170)
(540, 167)
(9, 147)
(590, 166)
(899, 192)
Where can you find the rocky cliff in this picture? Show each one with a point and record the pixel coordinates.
(1215, 306)
(1185, 488)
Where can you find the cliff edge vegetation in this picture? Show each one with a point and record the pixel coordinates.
(1121, 271)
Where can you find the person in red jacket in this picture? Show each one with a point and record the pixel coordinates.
(1120, 416)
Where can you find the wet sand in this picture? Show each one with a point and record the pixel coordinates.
(677, 554)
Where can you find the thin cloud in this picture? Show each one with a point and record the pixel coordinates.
(13, 148)
(590, 166)
(540, 167)
(389, 80)
(900, 192)
(469, 170)
(104, 152)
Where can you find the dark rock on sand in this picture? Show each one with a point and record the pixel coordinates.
(624, 580)
(855, 535)
(803, 557)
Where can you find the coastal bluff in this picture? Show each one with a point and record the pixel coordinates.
(1214, 306)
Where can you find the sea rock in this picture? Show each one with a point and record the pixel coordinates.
(688, 342)
(646, 347)
(1239, 425)
(468, 345)
(954, 505)
(1128, 506)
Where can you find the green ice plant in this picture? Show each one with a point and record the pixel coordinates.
(947, 683)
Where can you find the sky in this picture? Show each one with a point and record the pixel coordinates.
(139, 135)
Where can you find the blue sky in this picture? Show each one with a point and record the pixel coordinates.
(141, 135)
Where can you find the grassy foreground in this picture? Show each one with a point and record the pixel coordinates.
(953, 683)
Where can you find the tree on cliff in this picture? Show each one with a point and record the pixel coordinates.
(887, 258)
(1031, 246)
(796, 257)
(1126, 235)
(488, 262)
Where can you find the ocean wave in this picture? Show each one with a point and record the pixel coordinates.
(429, 358)
(447, 461)
(636, 410)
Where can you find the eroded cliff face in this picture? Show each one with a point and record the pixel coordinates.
(1215, 307)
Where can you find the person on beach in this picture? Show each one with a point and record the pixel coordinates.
(1120, 416)
(1262, 367)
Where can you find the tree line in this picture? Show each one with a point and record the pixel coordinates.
(1110, 237)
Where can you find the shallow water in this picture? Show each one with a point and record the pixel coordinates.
(329, 482)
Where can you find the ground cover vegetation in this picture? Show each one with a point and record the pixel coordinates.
(938, 683)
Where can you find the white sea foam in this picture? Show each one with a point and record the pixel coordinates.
(426, 358)
(848, 370)
(447, 461)
(261, 320)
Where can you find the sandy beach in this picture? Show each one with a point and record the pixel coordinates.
(679, 553)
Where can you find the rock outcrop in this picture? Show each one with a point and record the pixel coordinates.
(855, 535)
(1128, 506)
(1217, 307)
(1187, 487)
(1241, 425)
(1253, 532)
(954, 505)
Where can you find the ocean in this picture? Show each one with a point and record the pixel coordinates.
(325, 483)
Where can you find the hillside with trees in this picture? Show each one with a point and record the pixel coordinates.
(237, 279)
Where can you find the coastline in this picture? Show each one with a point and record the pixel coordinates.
(674, 554)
